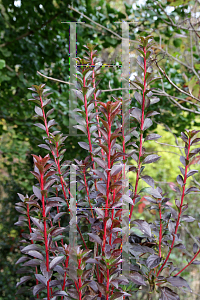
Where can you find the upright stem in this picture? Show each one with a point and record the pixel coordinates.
(108, 182)
(141, 135)
(45, 232)
(160, 233)
(180, 211)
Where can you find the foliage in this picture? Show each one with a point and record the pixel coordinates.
(105, 201)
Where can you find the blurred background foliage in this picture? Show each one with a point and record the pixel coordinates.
(34, 39)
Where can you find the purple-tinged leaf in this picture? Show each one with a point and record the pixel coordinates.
(192, 172)
(22, 198)
(168, 294)
(90, 92)
(59, 293)
(56, 261)
(50, 112)
(40, 126)
(95, 237)
(115, 170)
(171, 227)
(154, 192)
(51, 123)
(38, 223)
(173, 212)
(127, 199)
(21, 259)
(180, 246)
(101, 187)
(84, 145)
(137, 114)
(138, 97)
(57, 216)
(179, 179)
(38, 288)
(81, 127)
(137, 278)
(79, 94)
(152, 136)
(30, 247)
(182, 160)
(191, 189)
(187, 218)
(151, 158)
(100, 174)
(147, 123)
(44, 146)
(177, 202)
(41, 278)
(49, 183)
(38, 111)
(154, 100)
(32, 263)
(100, 162)
(100, 212)
(178, 282)
(182, 171)
(149, 180)
(23, 279)
(153, 261)
(36, 254)
(58, 231)
(143, 226)
(37, 192)
(195, 262)
(195, 248)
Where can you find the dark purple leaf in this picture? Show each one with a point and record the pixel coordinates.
(191, 189)
(187, 218)
(192, 172)
(179, 246)
(95, 237)
(30, 247)
(84, 145)
(57, 216)
(115, 170)
(37, 192)
(49, 183)
(153, 261)
(138, 97)
(32, 263)
(81, 127)
(182, 160)
(143, 226)
(38, 288)
(101, 187)
(127, 199)
(137, 114)
(56, 261)
(100, 174)
(149, 180)
(147, 123)
(59, 293)
(40, 126)
(38, 223)
(151, 158)
(41, 278)
(179, 179)
(79, 94)
(154, 192)
(196, 262)
(51, 123)
(137, 278)
(50, 112)
(21, 259)
(152, 136)
(195, 248)
(36, 254)
(44, 146)
(168, 294)
(100, 162)
(23, 279)
(178, 282)
(38, 111)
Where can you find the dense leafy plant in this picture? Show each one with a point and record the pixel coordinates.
(103, 262)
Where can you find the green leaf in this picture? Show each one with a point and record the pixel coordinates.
(2, 63)
(177, 42)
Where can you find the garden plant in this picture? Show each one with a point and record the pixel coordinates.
(104, 252)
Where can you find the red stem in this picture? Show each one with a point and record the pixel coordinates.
(30, 230)
(45, 232)
(141, 135)
(179, 215)
(188, 263)
(87, 191)
(108, 182)
(160, 233)
(79, 279)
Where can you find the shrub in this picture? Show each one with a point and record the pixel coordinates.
(107, 254)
